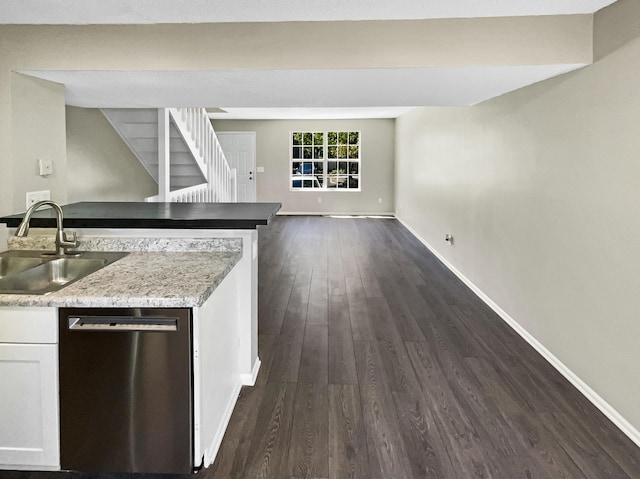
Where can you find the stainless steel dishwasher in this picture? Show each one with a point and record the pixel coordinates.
(126, 390)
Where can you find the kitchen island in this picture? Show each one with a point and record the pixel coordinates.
(88, 214)
(197, 256)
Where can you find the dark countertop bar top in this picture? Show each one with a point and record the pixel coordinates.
(154, 215)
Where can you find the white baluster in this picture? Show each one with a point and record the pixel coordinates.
(210, 174)
(202, 136)
(223, 173)
(226, 185)
(197, 127)
(226, 180)
(164, 160)
(215, 175)
(220, 175)
(198, 132)
(205, 134)
(193, 124)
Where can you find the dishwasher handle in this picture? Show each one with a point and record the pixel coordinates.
(122, 324)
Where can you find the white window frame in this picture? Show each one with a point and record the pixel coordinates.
(319, 181)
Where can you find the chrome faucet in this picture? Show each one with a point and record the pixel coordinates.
(62, 240)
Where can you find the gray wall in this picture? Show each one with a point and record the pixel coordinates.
(100, 166)
(90, 161)
(615, 26)
(38, 131)
(540, 189)
(272, 152)
(268, 46)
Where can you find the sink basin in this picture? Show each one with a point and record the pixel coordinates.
(35, 272)
(14, 264)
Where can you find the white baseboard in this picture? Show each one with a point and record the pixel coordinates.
(249, 379)
(625, 426)
(331, 213)
(211, 451)
(22, 467)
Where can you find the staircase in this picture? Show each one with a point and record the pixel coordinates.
(179, 149)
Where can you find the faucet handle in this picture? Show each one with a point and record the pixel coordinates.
(71, 241)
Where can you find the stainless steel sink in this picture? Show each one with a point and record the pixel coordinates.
(14, 264)
(38, 272)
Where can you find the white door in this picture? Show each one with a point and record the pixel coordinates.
(239, 148)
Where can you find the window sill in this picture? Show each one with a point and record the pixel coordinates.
(327, 190)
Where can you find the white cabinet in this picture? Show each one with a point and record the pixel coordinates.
(29, 428)
(216, 359)
(29, 405)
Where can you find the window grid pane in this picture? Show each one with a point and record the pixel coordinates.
(325, 160)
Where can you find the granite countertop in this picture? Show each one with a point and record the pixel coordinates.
(148, 278)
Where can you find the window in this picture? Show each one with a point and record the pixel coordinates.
(325, 160)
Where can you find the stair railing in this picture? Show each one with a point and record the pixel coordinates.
(193, 194)
(195, 127)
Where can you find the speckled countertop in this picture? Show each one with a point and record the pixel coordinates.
(182, 276)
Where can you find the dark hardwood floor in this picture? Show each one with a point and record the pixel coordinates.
(378, 363)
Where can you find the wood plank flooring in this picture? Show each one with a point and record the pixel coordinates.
(400, 372)
(378, 363)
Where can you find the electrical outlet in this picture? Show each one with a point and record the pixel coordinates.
(319, 199)
(380, 200)
(35, 196)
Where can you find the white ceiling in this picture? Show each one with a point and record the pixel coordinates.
(210, 11)
(358, 93)
(364, 93)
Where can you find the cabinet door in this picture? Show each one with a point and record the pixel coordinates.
(29, 427)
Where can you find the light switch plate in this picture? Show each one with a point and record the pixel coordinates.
(46, 166)
(35, 196)
(260, 169)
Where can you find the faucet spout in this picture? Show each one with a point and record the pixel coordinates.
(62, 240)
